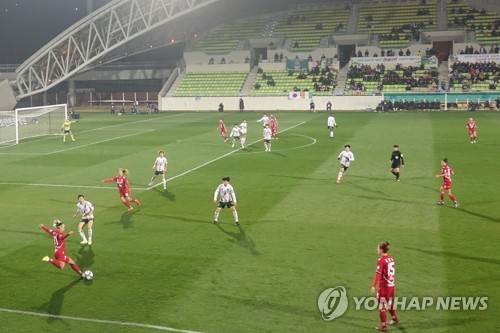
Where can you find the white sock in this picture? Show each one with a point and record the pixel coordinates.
(216, 216)
(235, 214)
(164, 181)
(331, 134)
(90, 235)
(82, 235)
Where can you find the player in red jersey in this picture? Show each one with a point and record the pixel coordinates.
(384, 278)
(471, 126)
(273, 124)
(446, 173)
(123, 188)
(59, 238)
(222, 129)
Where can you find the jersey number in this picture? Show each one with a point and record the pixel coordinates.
(390, 269)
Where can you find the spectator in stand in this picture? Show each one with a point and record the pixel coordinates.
(408, 52)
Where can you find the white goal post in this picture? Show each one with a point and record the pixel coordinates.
(24, 123)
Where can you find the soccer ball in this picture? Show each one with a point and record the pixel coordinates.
(88, 275)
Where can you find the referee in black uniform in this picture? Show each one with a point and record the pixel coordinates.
(397, 161)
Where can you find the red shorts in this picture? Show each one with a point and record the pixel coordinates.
(385, 294)
(472, 132)
(124, 194)
(446, 186)
(61, 256)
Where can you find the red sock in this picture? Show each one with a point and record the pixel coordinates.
(76, 269)
(452, 197)
(393, 314)
(383, 316)
(55, 263)
(442, 196)
(126, 204)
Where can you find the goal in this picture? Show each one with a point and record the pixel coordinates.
(24, 123)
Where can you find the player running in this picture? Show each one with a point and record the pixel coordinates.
(66, 129)
(446, 173)
(227, 199)
(273, 124)
(222, 129)
(331, 124)
(86, 210)
(384, 278)
(268, 134)
(346, 157)
(244, 130)
(160, 168)
(236, 135)
(472, 127)
(59, 237)
(397, 161)
(123, 188)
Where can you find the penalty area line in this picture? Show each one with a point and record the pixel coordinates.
(99, 321)
(220, 157)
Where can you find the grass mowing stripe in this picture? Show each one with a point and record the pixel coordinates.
(101, 321)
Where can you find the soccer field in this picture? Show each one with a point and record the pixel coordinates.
(166, 267)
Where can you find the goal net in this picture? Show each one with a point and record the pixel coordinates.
(31, 122)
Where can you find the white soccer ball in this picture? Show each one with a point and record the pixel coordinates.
(88, 275)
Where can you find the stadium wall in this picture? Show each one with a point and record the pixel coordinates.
(276, 103)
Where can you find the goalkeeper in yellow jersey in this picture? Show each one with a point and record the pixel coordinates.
(66, 129)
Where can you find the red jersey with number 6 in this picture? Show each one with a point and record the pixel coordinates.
(386, 269)
(471, 126)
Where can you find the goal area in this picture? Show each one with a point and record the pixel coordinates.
(25, 123)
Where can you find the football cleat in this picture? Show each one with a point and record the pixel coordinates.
(84, 242)
(130, 208)
(440, 203)
(150, 184)
(237, 223)
(381, 328)
(90, 242)
(455, 205)
(394, 322)
(215, 222)
(137, 202)
(46, 258)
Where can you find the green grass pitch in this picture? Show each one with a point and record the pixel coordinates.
(165, 266)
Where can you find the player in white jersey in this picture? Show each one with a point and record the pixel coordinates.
(346, 157)
(227, 198)
(244, 129)
(331, 124)
(86, 210)
(236, 135)
(264, 120)
(160, 168)
(268, 134)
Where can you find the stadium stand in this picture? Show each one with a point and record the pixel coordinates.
(397, 25)
(227, 37)
(306, 27)
(281, 82)
(485, 24)
(204, 84)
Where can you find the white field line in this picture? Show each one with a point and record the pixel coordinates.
(219, 158)
(98, 129)
(97, 142)
(158, 184)
(99, 321)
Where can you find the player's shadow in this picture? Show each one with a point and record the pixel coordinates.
(241, 239)
(166, 193)
(85, 257)
(486, 217)
(454, 255)
(54, 305)
(127, 219)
